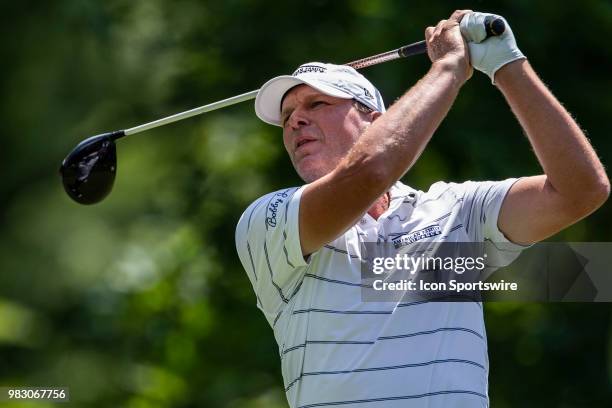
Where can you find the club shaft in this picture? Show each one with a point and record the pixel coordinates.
(411, 49)
(193, 112)
(402, 52)
(492, 26)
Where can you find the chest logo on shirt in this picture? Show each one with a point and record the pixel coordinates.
(414, 236)
(272, 210)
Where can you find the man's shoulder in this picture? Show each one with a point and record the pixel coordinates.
(440, 190)
(450, 193)
(451, 189)
(439, 187)
(275, 196)
(268, 206)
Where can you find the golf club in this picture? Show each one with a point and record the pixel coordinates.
(88, 172)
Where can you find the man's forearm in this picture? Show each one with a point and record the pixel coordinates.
(389, 143)
(570, 163)
(394, 142)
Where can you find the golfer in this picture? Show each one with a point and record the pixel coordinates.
(300, 246)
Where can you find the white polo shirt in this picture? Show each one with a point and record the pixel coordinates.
(337, 350)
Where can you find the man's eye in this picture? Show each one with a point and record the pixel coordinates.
(318, 103)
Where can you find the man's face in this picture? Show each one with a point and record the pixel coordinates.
(319, 130)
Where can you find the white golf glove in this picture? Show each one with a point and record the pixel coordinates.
(488, 54)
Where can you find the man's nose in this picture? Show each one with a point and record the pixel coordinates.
(298, 118)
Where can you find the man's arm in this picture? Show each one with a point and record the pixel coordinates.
(574, 184)
(389, 147)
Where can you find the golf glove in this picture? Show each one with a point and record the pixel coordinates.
(488, 54)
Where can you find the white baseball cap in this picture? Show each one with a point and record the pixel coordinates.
(340, 81)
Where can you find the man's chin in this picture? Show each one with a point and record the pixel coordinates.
(310, 172)
(309, 177)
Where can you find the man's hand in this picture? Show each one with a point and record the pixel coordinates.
(490, 54)
(446, 46)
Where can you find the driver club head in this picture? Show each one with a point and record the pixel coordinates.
(88, 172)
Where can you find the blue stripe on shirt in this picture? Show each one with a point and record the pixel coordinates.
(396, 367)
(382, 338)
(403, 397)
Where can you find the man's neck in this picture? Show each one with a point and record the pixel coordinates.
(380, 206)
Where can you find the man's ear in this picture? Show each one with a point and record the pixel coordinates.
(375, 115)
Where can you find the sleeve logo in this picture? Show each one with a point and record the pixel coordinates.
(272, 210)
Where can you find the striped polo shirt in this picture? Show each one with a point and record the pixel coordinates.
(337, 350)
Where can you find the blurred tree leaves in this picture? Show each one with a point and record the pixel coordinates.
(140, 301)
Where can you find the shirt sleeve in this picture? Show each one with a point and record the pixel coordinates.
(268, 245)
(480, 208)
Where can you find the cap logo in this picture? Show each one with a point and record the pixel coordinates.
(304, 69)
(367, 93)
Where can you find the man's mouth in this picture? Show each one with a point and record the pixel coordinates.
(302, 140)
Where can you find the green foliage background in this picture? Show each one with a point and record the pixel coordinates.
(140, 301)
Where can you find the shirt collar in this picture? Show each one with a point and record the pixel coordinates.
(401, 190)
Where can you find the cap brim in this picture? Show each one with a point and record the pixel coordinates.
(269, 97)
